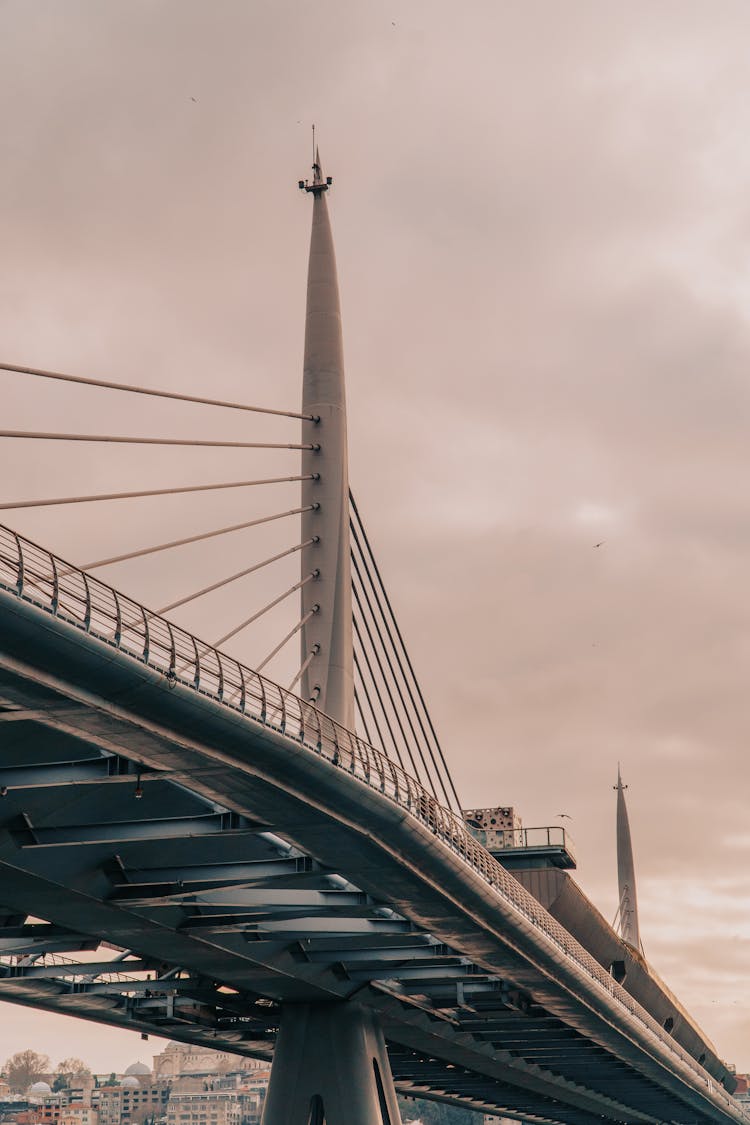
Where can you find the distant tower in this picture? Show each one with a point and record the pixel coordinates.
(628, 909)
(327, 635)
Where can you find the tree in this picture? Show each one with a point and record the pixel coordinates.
(26, 1067)
(71, 1068)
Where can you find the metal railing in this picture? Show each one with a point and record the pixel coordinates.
(57, 587)
(552, 836)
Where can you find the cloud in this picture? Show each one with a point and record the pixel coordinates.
(541, 221)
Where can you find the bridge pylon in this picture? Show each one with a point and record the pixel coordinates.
(628, 906)
(330, 1062)
(330, 1066)
(326, 636)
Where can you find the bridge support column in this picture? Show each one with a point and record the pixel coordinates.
(330, 1066)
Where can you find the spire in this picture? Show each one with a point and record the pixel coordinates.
(327, 635)
(628, 909)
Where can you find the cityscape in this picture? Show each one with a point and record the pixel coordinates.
(184, 1085)
(369, 522)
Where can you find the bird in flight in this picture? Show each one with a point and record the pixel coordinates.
(601, 544)
(565, 816)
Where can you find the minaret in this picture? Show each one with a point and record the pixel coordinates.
(327, 635)
(629, 928)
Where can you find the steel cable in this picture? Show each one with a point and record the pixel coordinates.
(300, 625)
(376, 688)
(305, 664)
(34, 435)
(369, 704)
(194, 539)
(361, 713)
(152, 492)
(445, 773)
(38, 372)
(386, 685)
(430, 779)
(234, 577)
(238, 628)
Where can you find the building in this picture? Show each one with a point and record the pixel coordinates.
(130, 1102)
(80, 1087)
(178, 1060)
(215, 1107)
(138, 1070)
(742, 1093)
(41, 1111)
(495, 828)
(44, 1107)
(79, 1115)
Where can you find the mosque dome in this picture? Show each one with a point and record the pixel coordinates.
(129, 1080)
(138, 1068)
(40, 1088)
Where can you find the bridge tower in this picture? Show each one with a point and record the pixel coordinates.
(629, 928)
(330, 1064)
(326, 637)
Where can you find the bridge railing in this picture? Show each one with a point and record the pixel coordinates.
(70, 594)
(545, 837)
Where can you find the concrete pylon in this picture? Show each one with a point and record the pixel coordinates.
(329, 679)
(330, 1065)
(629, 928)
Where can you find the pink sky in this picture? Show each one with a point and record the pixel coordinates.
(542, 223)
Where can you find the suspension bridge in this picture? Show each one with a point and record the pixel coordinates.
(192, 849)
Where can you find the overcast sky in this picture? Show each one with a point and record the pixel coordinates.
(542, 223)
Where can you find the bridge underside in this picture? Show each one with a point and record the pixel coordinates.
(241, 874)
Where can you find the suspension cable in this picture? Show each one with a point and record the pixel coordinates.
(233, 632)
(300, 624)
(194, 538)
(404, 649)
(394, 650)
(305, 665)
(149, 391)
(153, 492)
(238, 628)
(369, 704)
(32, 435)
(358, 705)
(234, 577)
(377, 688)
(417, 744)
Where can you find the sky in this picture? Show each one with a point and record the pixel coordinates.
(542, 222)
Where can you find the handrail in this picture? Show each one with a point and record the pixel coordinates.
(542, 836)
(35, 575)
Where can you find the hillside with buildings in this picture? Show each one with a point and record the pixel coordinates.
(185, 1085)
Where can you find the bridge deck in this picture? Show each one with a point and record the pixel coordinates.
(274, 858)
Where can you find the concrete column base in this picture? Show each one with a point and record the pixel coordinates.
(330, 1066)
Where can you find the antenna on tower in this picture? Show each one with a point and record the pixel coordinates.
(319, 182)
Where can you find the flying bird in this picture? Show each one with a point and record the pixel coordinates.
(564, 815)
(192, 99)
(601, 544)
